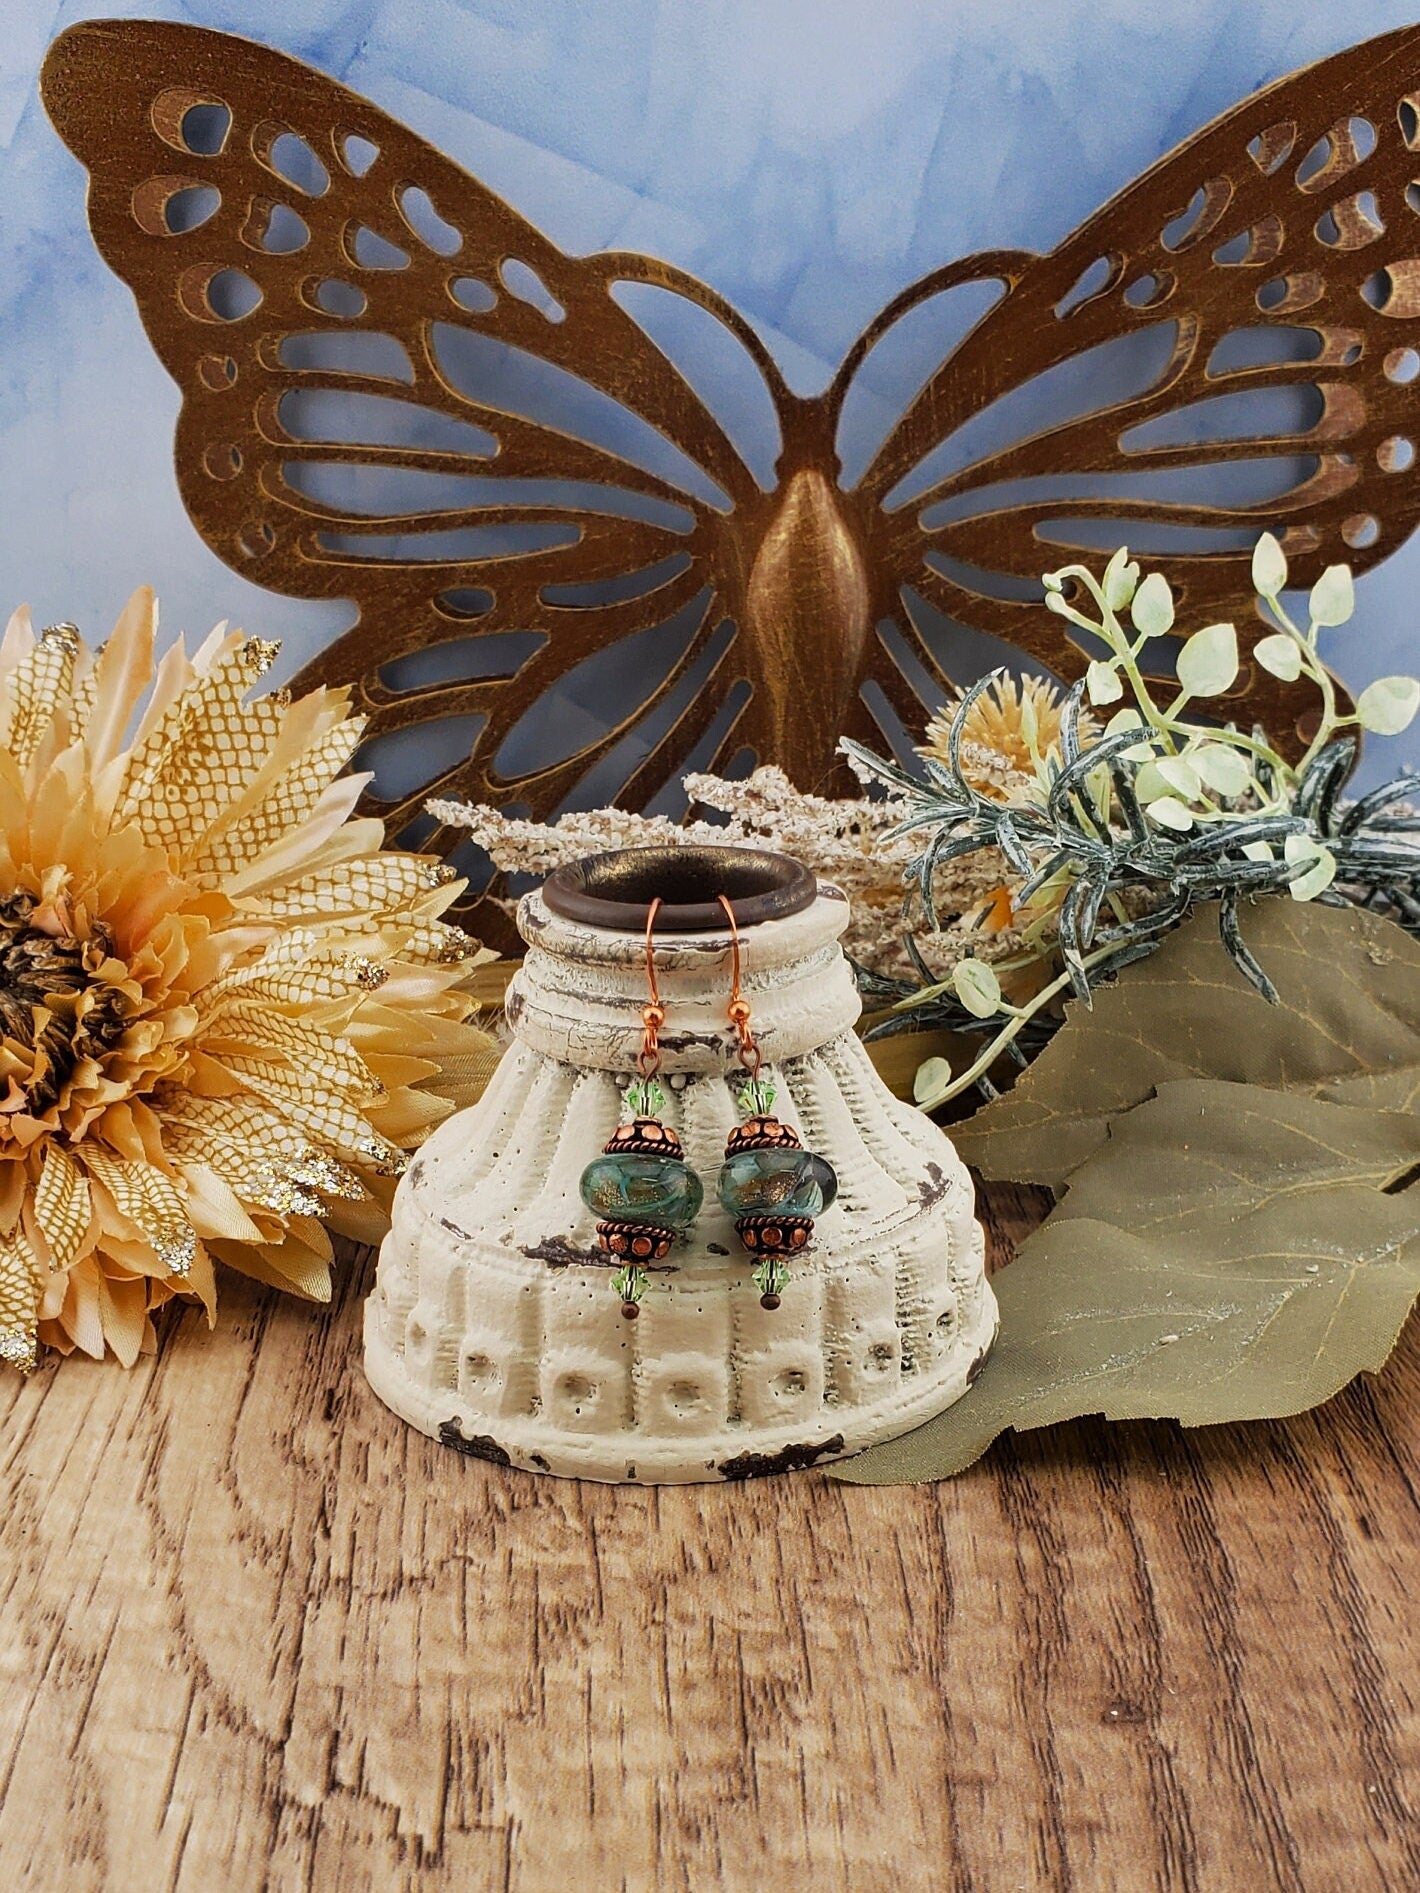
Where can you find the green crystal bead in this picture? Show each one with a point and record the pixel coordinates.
(793, 1182)
(630, 1188)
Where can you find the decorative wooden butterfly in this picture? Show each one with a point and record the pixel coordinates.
(397, 392)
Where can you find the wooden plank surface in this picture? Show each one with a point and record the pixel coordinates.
(258, 1634)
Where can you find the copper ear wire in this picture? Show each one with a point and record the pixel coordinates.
(653, 1013)
(738, 1008)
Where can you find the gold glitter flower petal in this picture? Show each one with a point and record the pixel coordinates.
(326, 1175)
(33, 689)
(202, 754)
(327, 1117)
(289, 803)
(150, 1201)
(312, 1053)
(380, 884)
(438, 945)
(61, 1202)
(243, 1117)
(19, 1301)
(193, 922)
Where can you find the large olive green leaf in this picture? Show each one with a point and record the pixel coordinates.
(1395, 1090)
(1349, 1017)
(1230, 1254)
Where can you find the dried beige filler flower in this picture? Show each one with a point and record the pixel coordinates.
(844, 841)
(222, 1004)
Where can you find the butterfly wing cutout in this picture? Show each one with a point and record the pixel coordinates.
(397, 391)
(1227, 347)
(353, 319)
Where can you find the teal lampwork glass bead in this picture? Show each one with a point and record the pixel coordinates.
(783, 1181)
(628, 1187)
(642, 1189)
(773, 1188)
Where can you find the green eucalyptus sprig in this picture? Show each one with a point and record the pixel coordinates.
(1122, 832)
(1198, 773)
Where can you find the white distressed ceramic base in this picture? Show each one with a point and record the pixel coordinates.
(493, 1324)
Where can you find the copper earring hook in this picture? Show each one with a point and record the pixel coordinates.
(738, 1008)
(653, 1013)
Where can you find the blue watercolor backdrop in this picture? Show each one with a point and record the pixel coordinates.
(806, 157)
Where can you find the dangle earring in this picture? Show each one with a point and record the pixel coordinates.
(641, 1185)
(769, 1183)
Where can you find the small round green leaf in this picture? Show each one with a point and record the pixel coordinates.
(1169, 812)
(1333, 597)
(1129, 719)
(1387, 706)
(1152, 609)
(1269, 566)
(1318, 867)
(1258, 851)
(1223, 768)
(1208, 662)
(1149, 785)
(1281, 655)
(1102, 683)
(930, 1082)
(1121, 580)
(1180, 775)
(977, 987)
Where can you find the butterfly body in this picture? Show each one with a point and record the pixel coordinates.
(807, 594)
(398, 392)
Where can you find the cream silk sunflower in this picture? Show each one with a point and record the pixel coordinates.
(222, 1004)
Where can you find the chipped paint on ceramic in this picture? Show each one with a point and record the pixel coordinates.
(493, 1324)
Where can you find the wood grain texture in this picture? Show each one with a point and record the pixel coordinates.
(258, 1634)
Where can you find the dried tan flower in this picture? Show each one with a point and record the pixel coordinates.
(222, 1006)
(996, 743)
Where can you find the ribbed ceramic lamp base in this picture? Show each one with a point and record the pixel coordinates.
(494, 1326)
(642, 1455)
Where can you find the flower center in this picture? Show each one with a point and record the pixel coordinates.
(50, 1002)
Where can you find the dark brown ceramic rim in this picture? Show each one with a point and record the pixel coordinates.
(615, 890)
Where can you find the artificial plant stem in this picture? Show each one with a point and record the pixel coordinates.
(1236, 740)
(1319, 675)
(1112, 632)
(1155, 717)
(1021, 1016)
(1109, 629)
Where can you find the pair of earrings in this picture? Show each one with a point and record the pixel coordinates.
(647, 1195)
